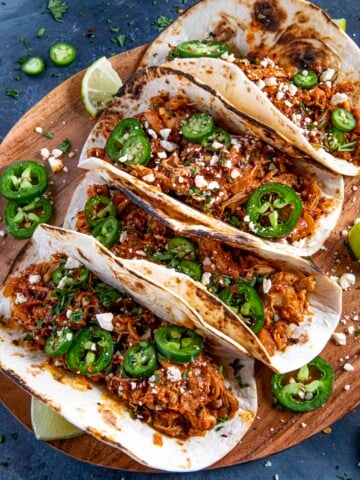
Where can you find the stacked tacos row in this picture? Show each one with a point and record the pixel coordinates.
(199, 212)
(285, 63)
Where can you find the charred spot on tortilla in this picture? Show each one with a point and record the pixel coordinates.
(108, 416)
(224, 31)
(82, 255)
(269, 15)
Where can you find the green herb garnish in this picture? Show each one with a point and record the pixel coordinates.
(57, 8)
(163, 22)
(10, 92)
(41, 32)
(65, 146)
(48, 134)
(121, 40)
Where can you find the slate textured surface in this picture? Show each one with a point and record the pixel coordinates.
(93, 25)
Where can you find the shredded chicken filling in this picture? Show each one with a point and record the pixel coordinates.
(285, 300)
(218, 183)
(179, 400)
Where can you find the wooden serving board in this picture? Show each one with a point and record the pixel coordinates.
(62, 113)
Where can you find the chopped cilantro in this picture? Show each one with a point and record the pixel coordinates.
(10, 92)
(276, 317)
(25, 43)
(28, 337)
(39, 323)
(4, 464)
(77, 315)
(48, 134)
(114, 30)
(163, 22)
(65, 146)
(272, 166)
(22, 60)
(310, 259)
(2, 438)
(41, 32)
(57, 8)
(357, 333)
(56, 74)
(121, 40)
(14, 436)
(17, 77)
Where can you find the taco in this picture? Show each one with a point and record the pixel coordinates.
(284, 62)
(179, 140)
(94, 342)
(281, 310)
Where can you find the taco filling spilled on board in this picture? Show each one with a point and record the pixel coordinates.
(267, 297)
(236, 178)
(318, 105)
(162, 372)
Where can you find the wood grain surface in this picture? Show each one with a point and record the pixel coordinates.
(62, 113)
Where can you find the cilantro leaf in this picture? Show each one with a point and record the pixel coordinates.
(57, 8)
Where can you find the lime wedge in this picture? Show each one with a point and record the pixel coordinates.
(341, 23)
(49, 425)
(99, 85)
(354, 240)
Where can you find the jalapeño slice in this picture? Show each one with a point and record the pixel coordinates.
(33, 66)
(91, 351)
(98, 208)
(21, 218)
(178, 344)
(23, 180)
(201, 48)
(182, 248)
(273, 210)
(107, 231)
(122, 131)
(354, 240)
(216, 140)
(189, 268)
(59, 342)
(243, 299)
(335, 139)
(305, 79)
(343, 120)
(197, 126)
(62, 54)
(135, 151)
(75, 277)
(306, 389)
(140, 360)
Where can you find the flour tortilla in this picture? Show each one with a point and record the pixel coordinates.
(90, 407)
(310, 336)
(136, 96)
(293, 32)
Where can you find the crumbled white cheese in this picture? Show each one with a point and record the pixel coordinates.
(346, 388)
(68, 313)
(260, 84)
(105, 320)
(214, 160)
(45, 153)
(20, 298)
(228, 57)
(344, 233)
(56, 152)
(69, 336)
(56, 164)
(168, 146)
(150, 178)
(270, 82)
(268, 464)
(71, 154)
(247, 219)
(357, 219)
(340, 338)
(2, 233)
(162, 155)
(123, 236)
(63, 282)
(234, 173)
(164, 133)
(350, 330)
(327, 75)
(200, 181)
(338, 98)
(72, 263)
(347, 280)
(280, 95)
(38, 130)
(34, 279)
(152, 133)
(267, 285)
(205, 278)
(214, 185)
(124, 158)
(292, 89)
(173, 374)
(303, 425)
(348, 367)
(206, 261)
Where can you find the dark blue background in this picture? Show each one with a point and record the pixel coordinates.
(87, 25)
